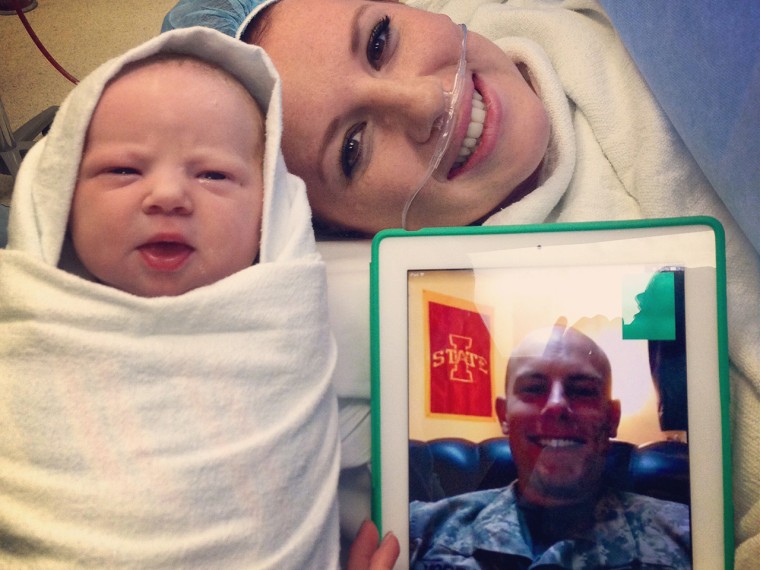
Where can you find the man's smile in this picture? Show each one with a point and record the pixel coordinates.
(557, 442)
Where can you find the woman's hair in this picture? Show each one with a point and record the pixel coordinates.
(327, 231)
(257, 28)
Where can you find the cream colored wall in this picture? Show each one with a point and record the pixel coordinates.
(523, 300)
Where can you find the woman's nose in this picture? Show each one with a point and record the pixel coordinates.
(417, 105)
(168, 194)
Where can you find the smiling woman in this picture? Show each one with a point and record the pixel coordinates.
(570, 132)
(368, 143)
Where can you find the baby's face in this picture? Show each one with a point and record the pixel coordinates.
(170, 189)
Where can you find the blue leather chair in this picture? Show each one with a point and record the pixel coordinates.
(451, 466)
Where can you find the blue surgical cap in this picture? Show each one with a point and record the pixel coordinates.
(230, 17)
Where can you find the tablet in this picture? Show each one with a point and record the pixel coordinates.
(452, 307)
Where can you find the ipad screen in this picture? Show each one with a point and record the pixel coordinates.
(564, 386)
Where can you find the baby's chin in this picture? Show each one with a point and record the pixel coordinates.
(164, 286)
(169, 289)
(153, 291)
(171, 283)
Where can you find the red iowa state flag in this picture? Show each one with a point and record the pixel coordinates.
(459, 363)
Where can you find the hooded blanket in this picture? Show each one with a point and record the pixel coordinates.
(195, 431)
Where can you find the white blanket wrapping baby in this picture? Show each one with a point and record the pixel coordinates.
(196, 431)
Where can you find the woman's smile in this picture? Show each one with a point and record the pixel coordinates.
(478, 131)
(474, 131)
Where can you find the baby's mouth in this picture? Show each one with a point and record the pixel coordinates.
(166, 255)
(474, 132)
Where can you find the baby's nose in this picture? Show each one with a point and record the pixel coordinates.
(167, 194)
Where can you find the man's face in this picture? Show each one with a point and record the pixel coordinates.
(559, 417)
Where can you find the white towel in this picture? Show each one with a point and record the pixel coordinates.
(196, 431)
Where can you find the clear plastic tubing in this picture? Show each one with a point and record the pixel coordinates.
(453, 97)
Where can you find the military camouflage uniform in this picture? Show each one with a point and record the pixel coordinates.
(484, 530)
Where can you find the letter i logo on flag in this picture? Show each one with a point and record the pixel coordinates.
(459, 358)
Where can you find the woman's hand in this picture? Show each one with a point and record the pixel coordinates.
(367, 554)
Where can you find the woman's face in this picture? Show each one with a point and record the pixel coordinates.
(363, 96)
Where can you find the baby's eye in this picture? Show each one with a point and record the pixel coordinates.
(213, 175)
(122, 170)
(351, 151)
(378, 39)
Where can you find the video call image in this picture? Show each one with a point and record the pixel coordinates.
(551, 401)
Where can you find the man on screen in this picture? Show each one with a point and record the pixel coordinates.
(559, 416)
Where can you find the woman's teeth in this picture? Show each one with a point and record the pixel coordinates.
(474, 130)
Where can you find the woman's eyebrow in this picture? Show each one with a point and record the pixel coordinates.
(330, 131)
(356, 29)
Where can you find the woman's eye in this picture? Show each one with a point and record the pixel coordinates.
(351, 151)
(377, 42)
